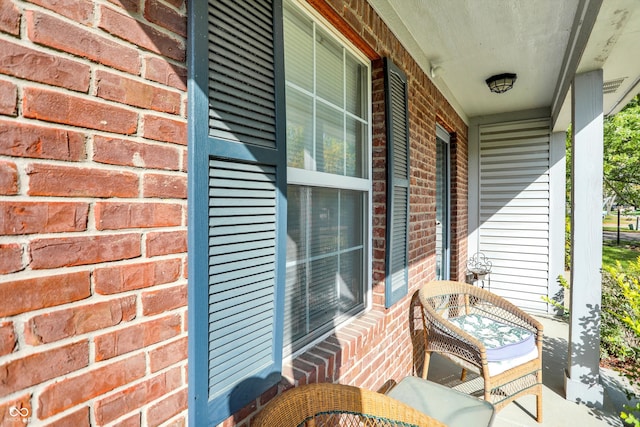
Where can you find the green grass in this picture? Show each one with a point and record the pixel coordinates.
(612, 221)
(623, 253)
(625, 229)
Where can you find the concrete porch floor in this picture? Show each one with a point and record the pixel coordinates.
(556, 410)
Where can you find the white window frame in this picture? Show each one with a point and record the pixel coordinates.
(303, 177)
(445, 137)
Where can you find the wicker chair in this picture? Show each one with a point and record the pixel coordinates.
(445, 304)
(321, 405)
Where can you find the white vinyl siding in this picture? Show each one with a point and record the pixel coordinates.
(514, 209)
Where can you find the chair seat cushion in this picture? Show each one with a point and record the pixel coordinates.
(502, 341)
(501, 366)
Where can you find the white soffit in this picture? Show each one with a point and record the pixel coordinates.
(471, 40)
(614, 45)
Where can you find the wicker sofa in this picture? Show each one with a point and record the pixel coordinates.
(505, 350)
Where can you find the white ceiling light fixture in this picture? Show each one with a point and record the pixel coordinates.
(500, 83)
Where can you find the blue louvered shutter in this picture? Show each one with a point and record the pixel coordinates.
(397, 128)
(237, 204)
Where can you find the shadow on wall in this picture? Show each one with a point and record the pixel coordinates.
(324, 371)
(169, 67)
(244, 392)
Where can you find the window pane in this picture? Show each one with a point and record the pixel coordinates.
(323, 227)
(295, 325)
(329, 69)
(323, 295)
(354, 151)
(295, 304)
(298, 49)
(296, 222)
(350, 280)
(356, 79)
(325, 259)
(299, 130)
(351, 219)
(329, 140)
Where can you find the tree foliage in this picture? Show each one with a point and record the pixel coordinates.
(622, 155)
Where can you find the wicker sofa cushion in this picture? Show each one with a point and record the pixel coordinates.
(502, 341)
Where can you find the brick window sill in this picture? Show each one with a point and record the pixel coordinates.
(339, 357)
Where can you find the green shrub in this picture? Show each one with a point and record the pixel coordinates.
(629, 417)
(620, 331)
(616, 339)
(559, 303)
(631, 413)
(621, 310)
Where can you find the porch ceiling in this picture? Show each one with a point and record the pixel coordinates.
(543, 41)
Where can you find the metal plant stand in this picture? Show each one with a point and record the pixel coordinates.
(479, 270)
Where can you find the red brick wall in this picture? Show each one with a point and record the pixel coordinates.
(93, 215)
(93, 212)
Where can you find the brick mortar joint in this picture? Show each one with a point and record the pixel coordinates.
(21, 320)
(27, 43)
(88, 162)
(90, 233)
(93, 26)
(144, 410)
(37, 390)
(91, 96)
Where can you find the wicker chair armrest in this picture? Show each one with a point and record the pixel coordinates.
(513, 309)
(293, 407)
(444, 287)
(533, 324)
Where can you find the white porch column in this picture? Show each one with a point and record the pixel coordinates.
(582, 377)
(557, 210)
